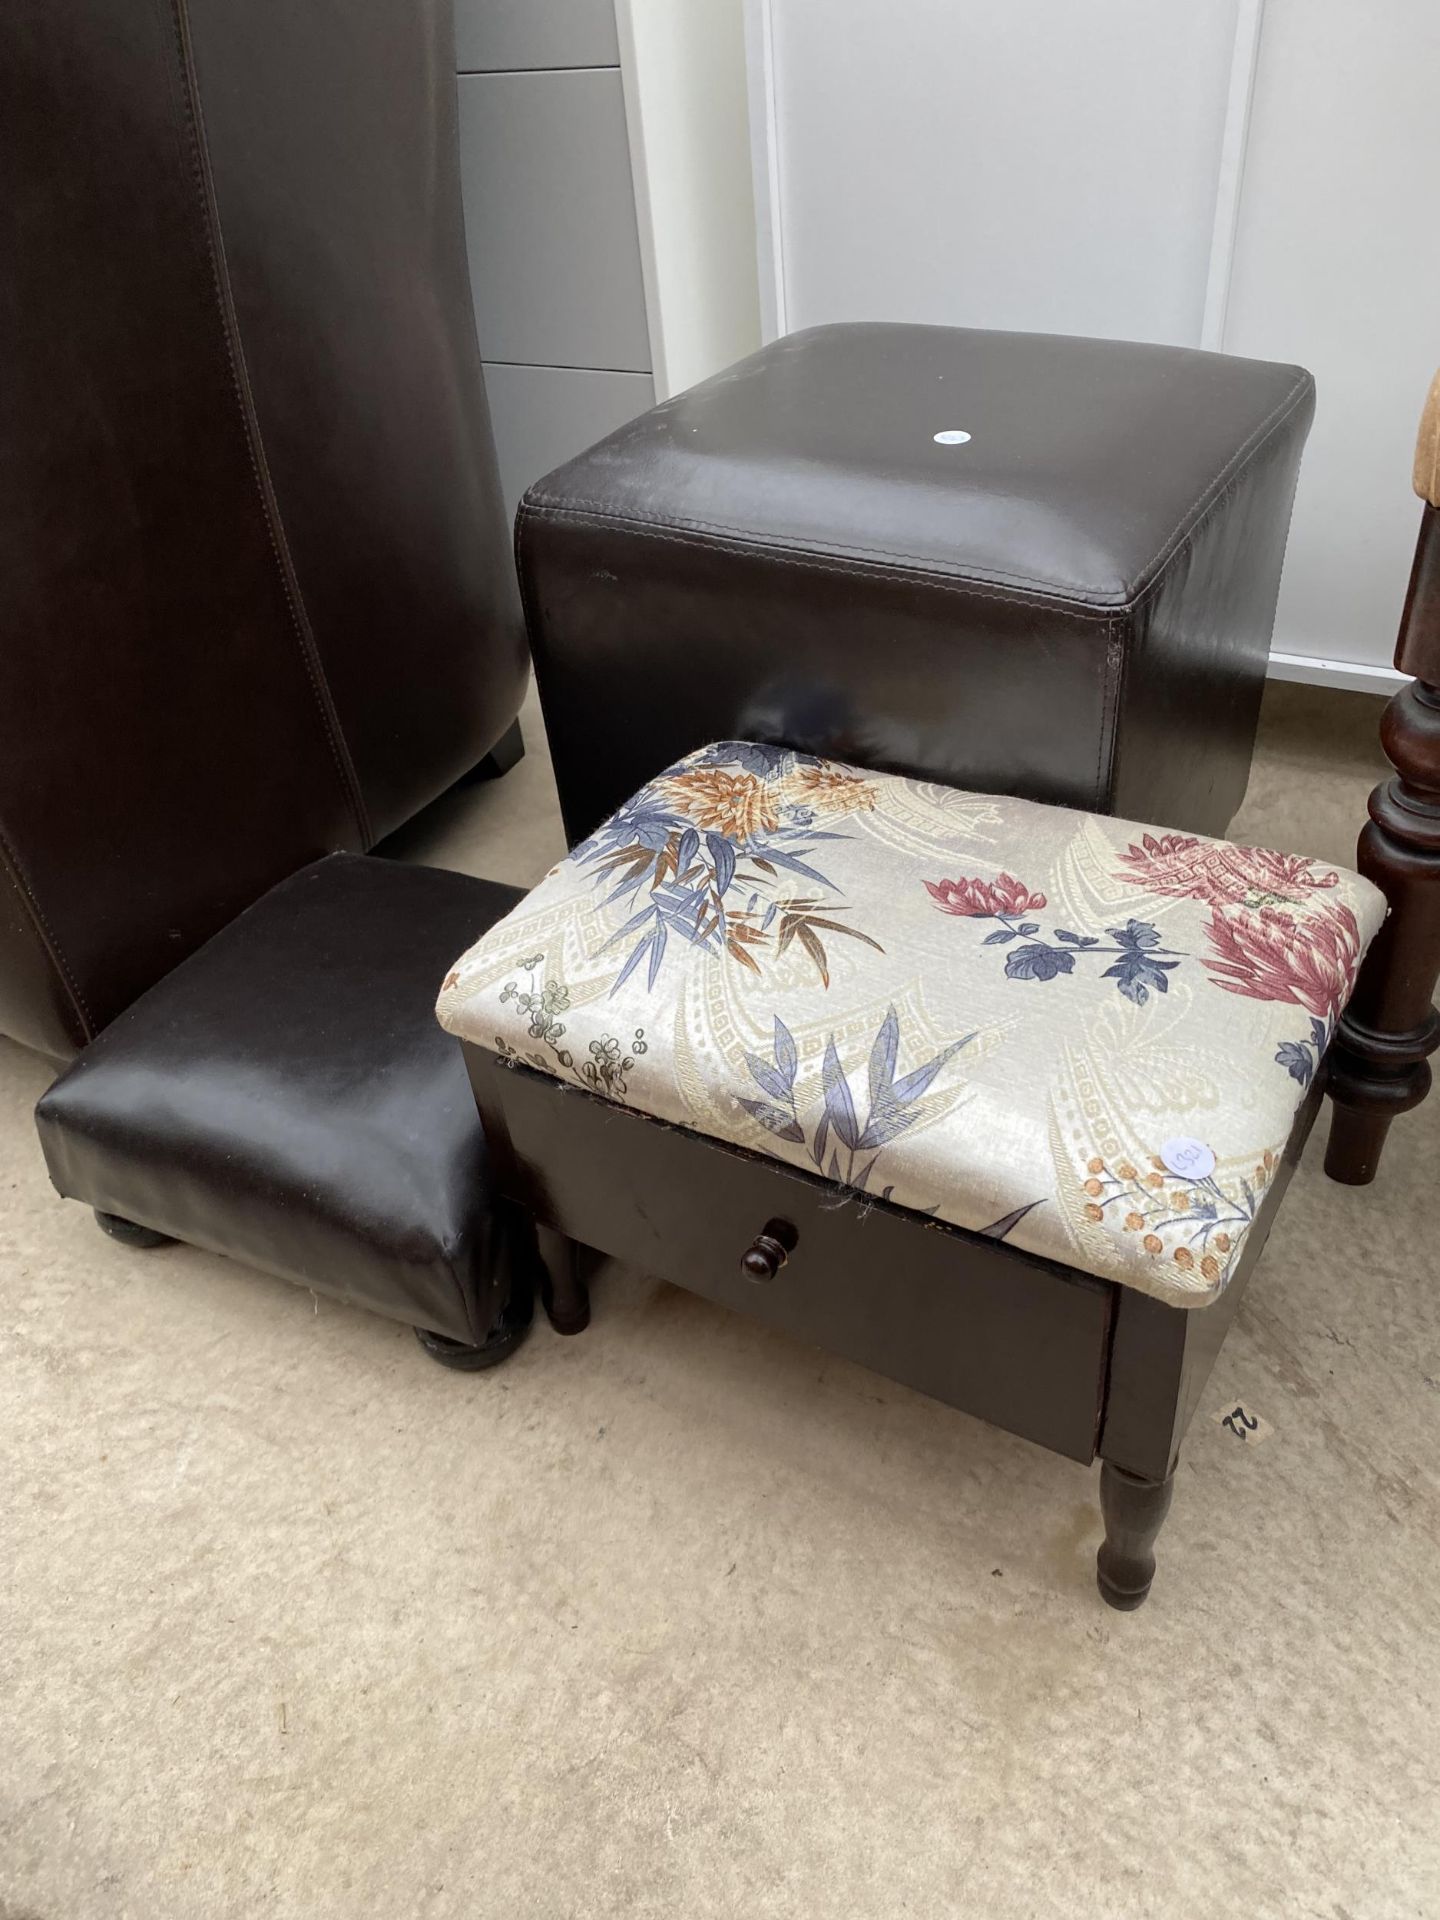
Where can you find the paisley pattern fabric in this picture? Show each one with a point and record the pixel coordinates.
(1083, 1036)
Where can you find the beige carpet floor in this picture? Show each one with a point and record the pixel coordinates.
(682, 1619)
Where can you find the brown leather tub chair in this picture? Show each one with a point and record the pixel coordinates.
(260, 608)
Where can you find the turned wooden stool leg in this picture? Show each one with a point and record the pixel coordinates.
(1377, 1064)
(563, 1290)
(1134, 1509)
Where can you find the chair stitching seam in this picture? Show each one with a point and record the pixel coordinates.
(859, 570)
(45, 934)
(244, 395)
(1218, 484)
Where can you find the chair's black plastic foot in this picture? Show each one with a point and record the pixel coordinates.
(502, 1340)
(507, 752)
(129, 1232)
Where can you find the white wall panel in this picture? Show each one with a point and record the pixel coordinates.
(1048, 166)
(1337, 265)
(1253, 175)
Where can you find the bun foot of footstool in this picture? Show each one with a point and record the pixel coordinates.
(1134, 1510)
(501, 1342)
(129, 1232)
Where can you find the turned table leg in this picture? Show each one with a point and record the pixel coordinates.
(1378, 1064)
(1134, 1509)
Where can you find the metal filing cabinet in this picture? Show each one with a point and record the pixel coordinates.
(550, 216)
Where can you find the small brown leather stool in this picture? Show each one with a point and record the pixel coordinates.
(285, 1097)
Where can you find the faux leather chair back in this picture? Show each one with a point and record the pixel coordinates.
(258, 596)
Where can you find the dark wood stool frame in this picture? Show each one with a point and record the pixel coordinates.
(1085, 1367)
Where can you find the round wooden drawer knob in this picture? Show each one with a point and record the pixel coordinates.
(768, 1251)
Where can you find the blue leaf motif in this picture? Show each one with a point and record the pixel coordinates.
(887, 1125)
(633, 962)
(914, 1084)
(754, 756)
(883, 1056)
(1135, 933)
(793, 864)
(1319, 1034)
(723, 854)
(999, 1229)
(1038, 962)
(688, 848)
(782, 1125)
(787, 1056)
(1137, 973)
(839, 1107)
(1296, 1059)
(768, 1078)
(1000, 937)
(657, 953)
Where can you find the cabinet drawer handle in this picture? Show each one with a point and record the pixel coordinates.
(769, 1251)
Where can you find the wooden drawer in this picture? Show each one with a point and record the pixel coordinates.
(1015, 1340)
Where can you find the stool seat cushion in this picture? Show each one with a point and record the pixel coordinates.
(1083, 1035)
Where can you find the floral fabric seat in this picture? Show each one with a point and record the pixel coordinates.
(1087, 1037)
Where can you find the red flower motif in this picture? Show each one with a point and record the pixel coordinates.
(1186, 868)
(983, 899)
(1271, 955)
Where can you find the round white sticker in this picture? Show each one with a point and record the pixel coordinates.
(952, 437)
(1191, 1159)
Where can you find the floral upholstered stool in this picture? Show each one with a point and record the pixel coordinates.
(995, 1097)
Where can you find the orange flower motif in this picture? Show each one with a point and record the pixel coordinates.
(1184, 1257)
(1210, 1267)
(830, 790)
(1097, 1165)
(1222, 1241)
(1092, 1212)
(1152, 1243)
(1134, 1222)
(1126, 1171)
(738, 805)
(983, 899)
(1093, 1186)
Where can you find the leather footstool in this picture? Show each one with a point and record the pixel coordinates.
(285, 1097)
(1022, 564)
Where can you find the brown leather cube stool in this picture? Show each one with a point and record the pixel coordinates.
(1026, 565)
(284, 1096)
